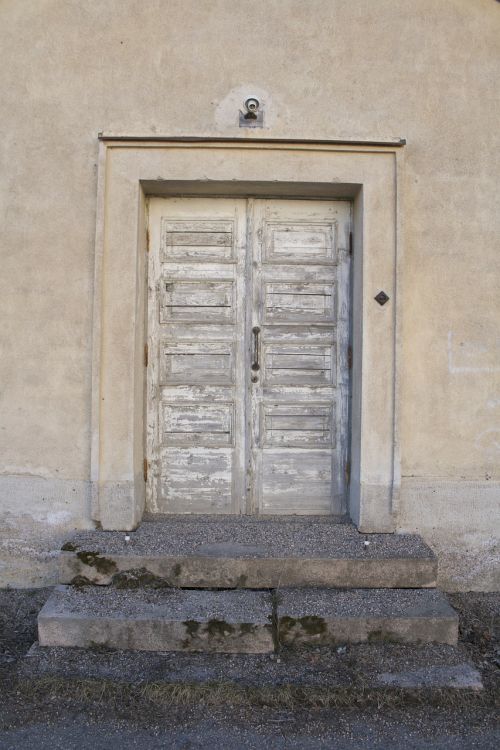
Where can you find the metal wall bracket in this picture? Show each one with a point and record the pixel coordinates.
(253, 117)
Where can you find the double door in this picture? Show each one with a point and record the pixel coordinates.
(248, 375)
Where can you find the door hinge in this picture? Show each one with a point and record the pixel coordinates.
(146, 355)
(350, 243)
(348, 472)
(147, 240)
(349, 357)
(145, 469)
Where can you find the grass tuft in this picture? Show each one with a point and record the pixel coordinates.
(96, 691)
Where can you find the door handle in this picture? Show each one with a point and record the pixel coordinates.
(255, 363)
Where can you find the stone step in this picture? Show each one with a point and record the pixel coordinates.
(314, 675)
(245, 552)
(326, 616)
(158, 620)
(241, 621)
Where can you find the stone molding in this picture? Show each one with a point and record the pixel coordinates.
(131, 170)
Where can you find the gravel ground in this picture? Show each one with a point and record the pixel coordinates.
(312, 538)
(275, 730)
(18, 612)
(92, 718)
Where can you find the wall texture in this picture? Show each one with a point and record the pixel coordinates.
(426, 70)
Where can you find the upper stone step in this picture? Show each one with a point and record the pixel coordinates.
(246, 552)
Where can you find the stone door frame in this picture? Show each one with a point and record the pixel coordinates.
(132, 168)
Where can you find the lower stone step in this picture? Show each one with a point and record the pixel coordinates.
(241, 621)
(158, 620)
(326, 616)
(316, 677)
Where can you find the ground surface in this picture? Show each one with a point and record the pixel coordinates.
(98, 716)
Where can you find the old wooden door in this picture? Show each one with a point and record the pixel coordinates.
(248, 379)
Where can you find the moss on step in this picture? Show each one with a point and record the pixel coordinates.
(192, 627)
(69, 547)
(79, 582)
(219, 628)
(310, 625)
(94, 560)
(382, 636)
(99, 647)
(138, 578)
(247, 628)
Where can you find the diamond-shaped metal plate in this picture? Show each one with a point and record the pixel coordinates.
(382, 298)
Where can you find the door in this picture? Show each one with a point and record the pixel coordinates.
(248, 379)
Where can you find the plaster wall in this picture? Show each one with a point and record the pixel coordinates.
(427, 71)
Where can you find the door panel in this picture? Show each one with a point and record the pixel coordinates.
(198, 240)
(299, 303)
(191, 362)
(227, 433)
(296, 482)
(299, 403)
(197, 301)
(304, 426)
(298, 364)
(286, 242)
(196, 378)
(195, 480)
(197, 424)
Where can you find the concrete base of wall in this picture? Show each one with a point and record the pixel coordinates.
(459, 521)
(36, 516)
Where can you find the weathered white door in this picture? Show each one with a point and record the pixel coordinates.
(248, 381)
(300, 397)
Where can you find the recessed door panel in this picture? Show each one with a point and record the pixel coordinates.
(299, 242)
(299, 303)
(296, 482)
(197, 240)
(298, 364)
(195, 480)
(197, 301)
(298, 426)
(190, 362)
(200, 423)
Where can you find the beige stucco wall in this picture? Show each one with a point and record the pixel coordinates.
(426, 70)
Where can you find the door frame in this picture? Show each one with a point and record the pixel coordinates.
(132, 168)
